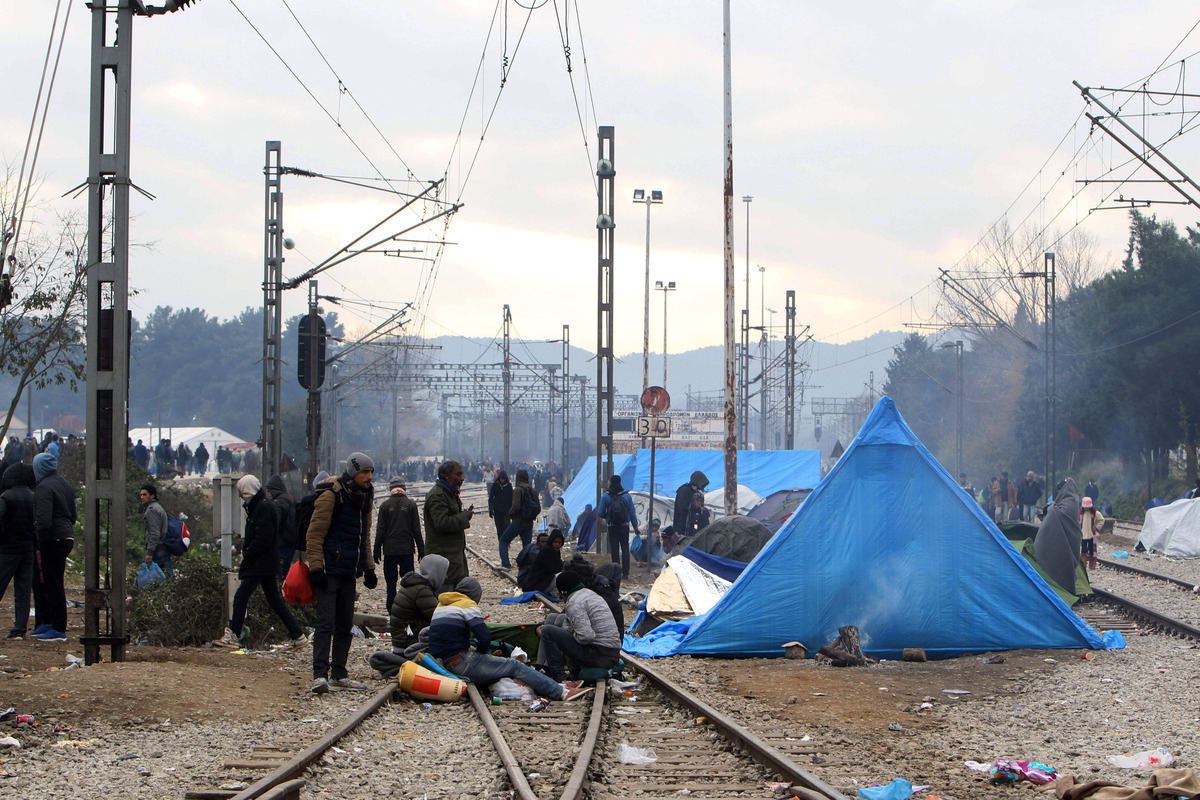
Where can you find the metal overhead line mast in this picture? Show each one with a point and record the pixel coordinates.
(605, 223)
(271, 437)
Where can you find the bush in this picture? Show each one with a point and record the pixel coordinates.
(187, 610)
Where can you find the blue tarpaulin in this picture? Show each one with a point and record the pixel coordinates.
(889, 543)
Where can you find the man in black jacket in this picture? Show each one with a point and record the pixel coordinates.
(18, 542)
(397, 537)
(683, 499)
(260, 562)
(500, 497)
(288, 526)
(54, 517)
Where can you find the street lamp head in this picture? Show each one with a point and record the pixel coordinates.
(639, 194)
(655, 196)
(747, 199)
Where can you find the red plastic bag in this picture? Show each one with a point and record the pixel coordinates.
(297, 589)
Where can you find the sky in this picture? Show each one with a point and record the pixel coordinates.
(879, 141)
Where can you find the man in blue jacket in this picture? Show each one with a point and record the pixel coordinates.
(616, 508)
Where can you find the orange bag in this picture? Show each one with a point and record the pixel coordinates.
(297, 589)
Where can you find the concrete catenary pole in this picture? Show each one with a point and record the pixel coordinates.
(730, 401)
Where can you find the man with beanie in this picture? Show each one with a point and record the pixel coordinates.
(588, 637)
(446, 521)
(500, 497)
(156, 529)
(260, 562)
(18, 541)
(616, 508)
(397, 536)
(54, 518)
(522, 512)
(339, 551)
(458, 619)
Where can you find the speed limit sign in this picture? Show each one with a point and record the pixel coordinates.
(654, 427)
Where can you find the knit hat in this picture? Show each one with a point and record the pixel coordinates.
(567, 582)
(397, 483)
(470, 587)
(322, 476)
(614, 484)
(1087, 502)
(358, 462)
(248, 486)
(44, 464)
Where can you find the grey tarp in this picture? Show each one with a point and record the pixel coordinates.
(739, 538)
(1059, 538)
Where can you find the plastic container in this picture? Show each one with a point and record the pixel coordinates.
(541, 704)
(1149, 759)
(426, 685)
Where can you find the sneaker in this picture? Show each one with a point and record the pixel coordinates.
(51, 636)
(229, 639)
(572, 684)
(346, 683)
(320, 686)
(298, 642)
(575, 693)
(15, 636)
(40, 629)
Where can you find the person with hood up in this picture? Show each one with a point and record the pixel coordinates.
(616, 509)
(414, 605)
(260, 562)
(557, 516)
(288, 527)
(456, 621)
(446, 521)
(519, 515)
(546, 566)
(18, 542)
(339, 552)
(397, 536)
(54, 518)
(1058, 542)
(683, 499)
(607, 583)
(500, 497)
(527, 556)
(588, 637)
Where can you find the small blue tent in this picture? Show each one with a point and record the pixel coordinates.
(889, 543)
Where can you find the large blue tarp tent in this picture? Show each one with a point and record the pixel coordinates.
(889, 543)
(764, 471)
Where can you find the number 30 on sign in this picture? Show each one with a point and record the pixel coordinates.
(654, 427)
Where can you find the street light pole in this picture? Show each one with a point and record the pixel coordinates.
(653, 197)
(958, 397)
(668, 286)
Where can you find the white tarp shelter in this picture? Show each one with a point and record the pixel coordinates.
(1173, 529)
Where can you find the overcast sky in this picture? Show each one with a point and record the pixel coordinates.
(879, 141)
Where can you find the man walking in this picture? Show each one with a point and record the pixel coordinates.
(500, 497)
(446, 521)
(616, 508)
(339, 552)
(397, 537)
(1004, 497)
(1028, 494)
(522, 513)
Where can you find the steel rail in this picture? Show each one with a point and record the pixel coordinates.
(587, 748)
(1162, 620)
(1191, 587)
(755, 747)
(317, 749)
(515, 775)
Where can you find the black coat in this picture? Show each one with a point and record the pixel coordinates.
(398, 528)
(17, 532)
(500, 498)
(260, 553)
(546, 565)
(54, 509)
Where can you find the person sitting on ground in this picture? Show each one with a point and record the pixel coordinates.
(456, 620)
(557, 516)
(526, 557)
(260, 564)
(607, 584)
(651, 551)
(546, 566)
(588, 636)
(415, 601)
(580, 564)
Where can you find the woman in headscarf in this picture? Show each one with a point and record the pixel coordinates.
(1058, 542)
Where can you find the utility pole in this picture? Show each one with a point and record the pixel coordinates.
(270, 440)
(789, 391)
(605, 297)
(312, 375)
(764, 394)
(566, 393)
(1051, 368)
(731, 441)
(507, 376)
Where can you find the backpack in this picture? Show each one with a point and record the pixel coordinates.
(304, 512)
(177, 540)
(618, 512)
(530, 507)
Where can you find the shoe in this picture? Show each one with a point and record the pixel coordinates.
(320, 686)
(51, 636)
(346, 683)
(572, 684)
(16, 637)
(298, 642)
(40, 629)
(230, 639)
(570, 694)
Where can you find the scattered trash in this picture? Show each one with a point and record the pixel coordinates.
(9, 741)
(925, 708)
(883, 689)
(1006, 771)
(628, 754)
(978, 767)
(24, 719)
(914, 654)
(1148, 759)
(1120, 554)
(338, 750)
(541, 704)
(1088, 656)
(898, 789)
(624, 686)
(127, 758)
(955, 691)
(236, 786)
(9, 713)
(519, 655)
(795, 650)
(994, 660)
(357, 632)
(895, 726)
(509, 689)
